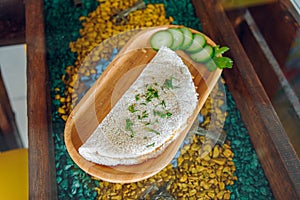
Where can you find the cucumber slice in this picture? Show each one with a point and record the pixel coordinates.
(211, 65)
(188, 38)
(160, 39)
(204, 55)
(177, 38)
(197, 44)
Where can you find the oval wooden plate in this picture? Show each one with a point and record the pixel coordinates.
(99, 100)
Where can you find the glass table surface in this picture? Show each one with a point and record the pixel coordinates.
(81, 38)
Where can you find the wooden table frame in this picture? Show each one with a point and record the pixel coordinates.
(42, 173)
(276, 154)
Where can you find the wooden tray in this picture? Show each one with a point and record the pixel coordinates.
(99, 100)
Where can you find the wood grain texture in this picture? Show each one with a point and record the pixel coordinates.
(279, 26)
(262, 66)
(42, 178)
(275, 152)
(97, 103)
(271, 74)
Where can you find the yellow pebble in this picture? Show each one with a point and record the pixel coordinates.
(226, 196)
(216, 152)
(180, 160)
(226, 146)
(211, 194)
(82, 18)
(192, 192)
(64, 117)
(205, 185)
(220, 195)
(227, 153)
(149, 23)
(219, 161)
(212, 175)
(227, 169)
(118, 186)
(116, 197)
(221, 185)
(61, 111)
(183, 178)
(206, 158)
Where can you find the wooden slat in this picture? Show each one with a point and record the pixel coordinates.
(268, 77)
(273, 79)
(276, 154)
(278, 28)
(42, 178)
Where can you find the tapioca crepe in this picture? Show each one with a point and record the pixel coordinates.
(148, 117)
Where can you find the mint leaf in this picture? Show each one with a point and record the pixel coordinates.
(223, 62)
(218, 61)
(219, 51)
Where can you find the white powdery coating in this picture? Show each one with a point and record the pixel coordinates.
(111, 144)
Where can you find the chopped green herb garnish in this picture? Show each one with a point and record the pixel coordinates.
(152, 130)
(157, 113)
(131, 108)
(162, 114)
(168, 84)
(151, 93)
(163, 103)
(168, 114)
(128, 127)
(151, 145)
(144, 115)
(137, 97)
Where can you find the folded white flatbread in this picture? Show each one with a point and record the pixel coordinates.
(148, 117)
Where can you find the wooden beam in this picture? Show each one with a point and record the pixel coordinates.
(42, 176)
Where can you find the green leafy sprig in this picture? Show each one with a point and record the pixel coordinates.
(221, 62)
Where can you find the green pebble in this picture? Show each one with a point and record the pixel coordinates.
(263, 191)
(58, 180)
(67, 167)
(73, 190)
(64, 184)
(248, 169)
